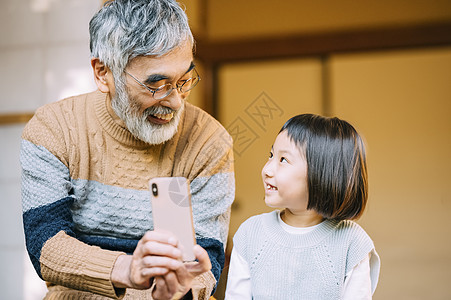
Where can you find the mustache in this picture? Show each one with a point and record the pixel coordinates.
(158, 110)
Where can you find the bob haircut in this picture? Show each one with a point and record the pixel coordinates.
(336, 164)
(124, 29)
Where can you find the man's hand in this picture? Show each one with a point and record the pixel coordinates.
(177, 283)
(157, 257)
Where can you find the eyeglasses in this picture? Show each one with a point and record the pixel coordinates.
(166, 89)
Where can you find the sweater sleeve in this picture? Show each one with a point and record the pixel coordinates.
(239, 278)
(357, 284)
(361, 245)
(57, 256)
(212, 186)
(212, 196)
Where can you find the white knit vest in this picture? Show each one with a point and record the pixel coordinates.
(306, 266)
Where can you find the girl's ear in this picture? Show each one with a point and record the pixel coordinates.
(102, 76)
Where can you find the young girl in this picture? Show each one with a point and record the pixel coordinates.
(310, 249)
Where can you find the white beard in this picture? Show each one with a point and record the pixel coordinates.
(139, 126)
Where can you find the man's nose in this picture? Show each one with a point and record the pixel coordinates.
(173, 100)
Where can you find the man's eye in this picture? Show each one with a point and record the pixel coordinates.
(152, 88)
(159, 88)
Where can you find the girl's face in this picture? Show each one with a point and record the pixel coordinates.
(285, 176)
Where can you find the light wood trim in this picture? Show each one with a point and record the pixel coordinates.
(15, 118)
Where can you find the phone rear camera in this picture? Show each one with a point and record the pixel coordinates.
(154, 189)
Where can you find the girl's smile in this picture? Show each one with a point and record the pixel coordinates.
(270, 188)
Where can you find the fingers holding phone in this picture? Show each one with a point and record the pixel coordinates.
(177, 283)
(155, 255)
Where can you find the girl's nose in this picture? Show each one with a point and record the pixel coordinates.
(267, 170)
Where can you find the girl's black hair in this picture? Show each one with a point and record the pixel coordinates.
(336, 161)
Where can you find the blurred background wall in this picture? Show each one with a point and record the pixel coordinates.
(385, 66)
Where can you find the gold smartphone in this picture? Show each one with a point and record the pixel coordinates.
(172, 211)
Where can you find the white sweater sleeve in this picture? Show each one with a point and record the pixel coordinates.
(239, 279)
(358, 282)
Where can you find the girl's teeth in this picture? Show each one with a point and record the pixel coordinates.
(270, 187)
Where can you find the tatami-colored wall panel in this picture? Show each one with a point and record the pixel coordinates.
(401, 103)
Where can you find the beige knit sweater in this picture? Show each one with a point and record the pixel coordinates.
(85, 190)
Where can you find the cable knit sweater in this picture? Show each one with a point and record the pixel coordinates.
(309, 266)
(86, 199)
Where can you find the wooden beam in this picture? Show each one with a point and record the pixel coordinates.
(319, 44)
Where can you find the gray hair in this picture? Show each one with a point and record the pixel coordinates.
(124, 29)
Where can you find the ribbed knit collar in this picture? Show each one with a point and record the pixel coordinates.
(288, 240)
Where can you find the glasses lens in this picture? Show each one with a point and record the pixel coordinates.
(162, 91)
(189, 84)
(165, 90)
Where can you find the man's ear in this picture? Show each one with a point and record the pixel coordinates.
(102, 76)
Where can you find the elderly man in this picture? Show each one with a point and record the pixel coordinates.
(87, 160)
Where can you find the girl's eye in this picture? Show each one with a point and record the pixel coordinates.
(270, 155)
(283, 159)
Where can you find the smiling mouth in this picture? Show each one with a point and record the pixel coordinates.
(161, 118)
(270, 187)
(166, 117)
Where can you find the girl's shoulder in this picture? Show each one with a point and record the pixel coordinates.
(358, 245)
(253, 233)
(350, 226)
(258, 220)
(354, 234)
(256, 223)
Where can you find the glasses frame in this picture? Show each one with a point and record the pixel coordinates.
(177, 86)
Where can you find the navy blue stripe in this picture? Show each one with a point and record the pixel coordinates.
(215, 250)
(114, 244)
(44, 222)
